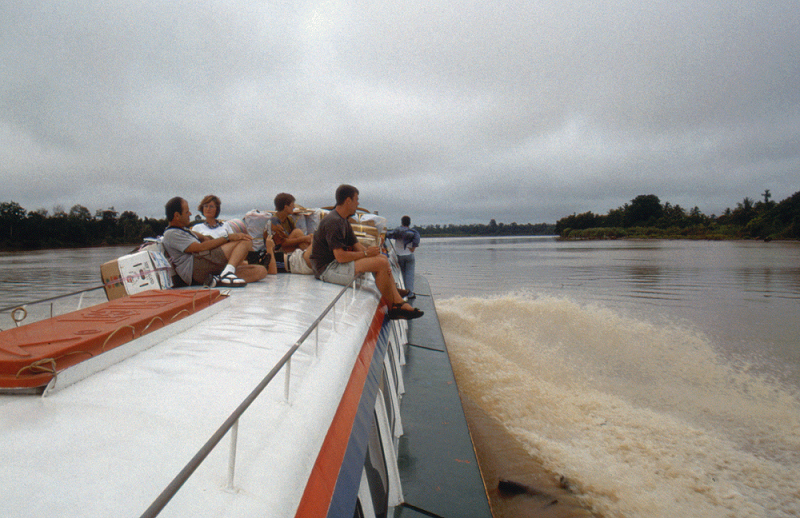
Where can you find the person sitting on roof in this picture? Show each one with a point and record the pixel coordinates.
(337, 256)
(200, 259)
(287, 236)
(289, 239)
(211, 227)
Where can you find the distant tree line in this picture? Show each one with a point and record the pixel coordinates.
(23, 230)
(492, 229)
(646, 217)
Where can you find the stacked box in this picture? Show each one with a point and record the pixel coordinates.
(134, 273)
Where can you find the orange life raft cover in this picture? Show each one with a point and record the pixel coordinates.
(32, 354)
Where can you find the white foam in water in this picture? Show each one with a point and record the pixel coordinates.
(646, 420)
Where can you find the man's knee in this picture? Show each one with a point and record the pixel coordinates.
(384, 264)
(381, 262)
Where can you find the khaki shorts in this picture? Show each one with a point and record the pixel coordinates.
(208, 262)
(297, 263)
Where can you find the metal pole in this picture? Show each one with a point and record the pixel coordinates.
(232, 455)
(288, 378)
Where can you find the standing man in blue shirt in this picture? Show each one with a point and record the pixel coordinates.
(405, 240)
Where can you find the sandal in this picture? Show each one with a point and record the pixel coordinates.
(230, 280)
(396, 312)
(403, 292)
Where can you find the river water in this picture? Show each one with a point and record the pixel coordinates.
(661, 378)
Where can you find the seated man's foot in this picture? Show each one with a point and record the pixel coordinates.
(403, 311)
(230, 280)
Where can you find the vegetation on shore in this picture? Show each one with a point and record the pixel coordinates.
(492, 229)
(645, 217)
(78, 228)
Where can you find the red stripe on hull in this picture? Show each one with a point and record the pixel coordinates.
(322, 481)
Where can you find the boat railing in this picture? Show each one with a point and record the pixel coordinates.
(231, 424)
(19, 312)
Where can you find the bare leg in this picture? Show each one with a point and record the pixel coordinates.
(251, 272)
(307, 254)
(295, 234)
(382, 270)
(236, 251)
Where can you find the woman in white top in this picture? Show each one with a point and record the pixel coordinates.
(212, 227)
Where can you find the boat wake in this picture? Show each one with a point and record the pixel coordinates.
(644, 419)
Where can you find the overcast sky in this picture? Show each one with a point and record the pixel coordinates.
(451, 111)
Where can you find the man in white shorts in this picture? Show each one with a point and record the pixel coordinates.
(299, 262)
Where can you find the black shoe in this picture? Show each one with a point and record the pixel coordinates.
(398, 313)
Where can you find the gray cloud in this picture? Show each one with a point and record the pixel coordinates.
(449, 111)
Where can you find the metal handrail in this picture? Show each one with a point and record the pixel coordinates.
(172, 488)
(49, 299)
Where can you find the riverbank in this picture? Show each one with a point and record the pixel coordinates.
(658, 233)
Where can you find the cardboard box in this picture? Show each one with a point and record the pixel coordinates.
(366, 234)
(134, 273)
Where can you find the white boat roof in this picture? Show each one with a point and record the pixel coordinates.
(109, 444)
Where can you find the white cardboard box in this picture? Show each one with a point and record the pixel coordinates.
(133, 273)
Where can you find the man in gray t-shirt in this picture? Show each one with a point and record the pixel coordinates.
(197, 257)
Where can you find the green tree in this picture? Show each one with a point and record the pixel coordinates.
(80, 212)
(643, 211)
(743, 212)
(11, 215)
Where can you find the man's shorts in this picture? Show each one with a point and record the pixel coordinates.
(208, 262)
(339, 273)
(297, 264)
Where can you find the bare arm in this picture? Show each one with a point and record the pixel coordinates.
(272, 268)
(208, 243)
(359, 252)
(291, 241)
